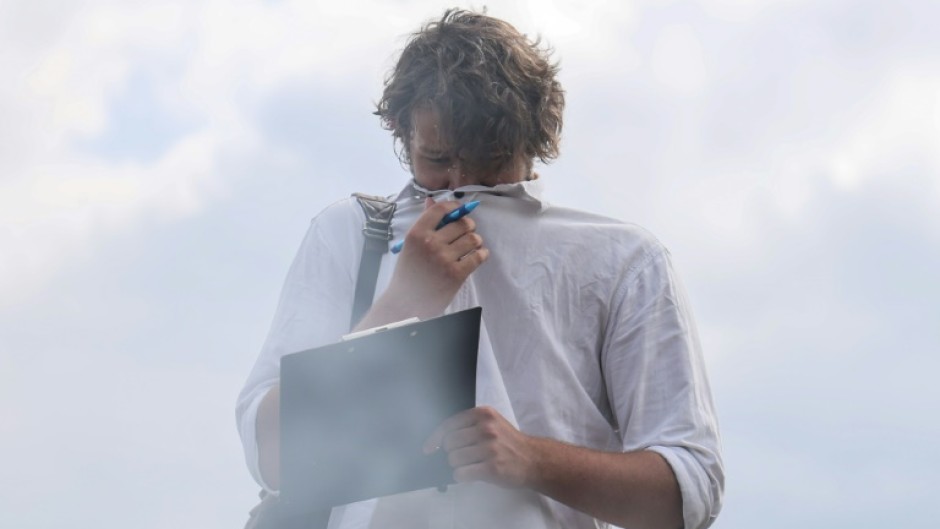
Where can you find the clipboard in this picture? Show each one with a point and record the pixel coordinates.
(355, 414)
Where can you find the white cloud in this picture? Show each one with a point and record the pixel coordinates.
(742, 11)
(58, 211)
(896, 130)
(208, 62)
(678, 61)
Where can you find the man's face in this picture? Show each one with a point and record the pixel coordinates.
(437, 165)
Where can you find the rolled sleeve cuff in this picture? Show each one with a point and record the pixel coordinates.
(701, 489)
(247, 431)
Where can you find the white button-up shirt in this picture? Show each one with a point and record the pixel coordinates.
(587, 339)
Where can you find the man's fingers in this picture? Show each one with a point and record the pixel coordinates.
(433, 214)
(461, 438)
(464, 245)
(466, 456)
(457, 229)
(475, 448)
(455, 422)
(475, 258)
(474, 472)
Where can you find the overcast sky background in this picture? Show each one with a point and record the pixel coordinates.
(159, 164)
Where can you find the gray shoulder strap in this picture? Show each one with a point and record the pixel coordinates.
(377, 231)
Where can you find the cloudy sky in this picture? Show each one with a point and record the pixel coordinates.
(159, 163)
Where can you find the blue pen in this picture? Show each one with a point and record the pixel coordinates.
(456, 214)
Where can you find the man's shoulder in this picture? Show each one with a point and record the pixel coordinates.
(601, 231)
(337, 226)
(342, 211)
(340, 216)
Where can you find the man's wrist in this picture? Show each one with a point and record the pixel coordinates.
(539, 461)
(386, 309)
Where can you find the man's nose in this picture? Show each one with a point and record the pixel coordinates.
(455, 175)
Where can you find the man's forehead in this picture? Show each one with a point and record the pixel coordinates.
(427, 135)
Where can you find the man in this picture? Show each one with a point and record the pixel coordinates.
(606, 414)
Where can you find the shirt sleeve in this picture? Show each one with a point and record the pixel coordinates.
(313, 310)
(657, 385)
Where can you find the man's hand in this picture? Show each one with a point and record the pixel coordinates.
(628, 489)
(481, 445)
(431, 267)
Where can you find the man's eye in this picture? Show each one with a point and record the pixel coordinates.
(440, 161)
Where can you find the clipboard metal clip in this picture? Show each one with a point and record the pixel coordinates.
(380, 328)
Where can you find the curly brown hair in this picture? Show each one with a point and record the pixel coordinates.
(494, 90)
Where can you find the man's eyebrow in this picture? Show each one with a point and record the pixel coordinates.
(433, 153)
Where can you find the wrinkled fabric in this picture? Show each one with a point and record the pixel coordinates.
(588, 339)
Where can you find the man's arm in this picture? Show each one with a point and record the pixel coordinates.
(429, 272)
(657, 389)
(430, 269)
(632, 489)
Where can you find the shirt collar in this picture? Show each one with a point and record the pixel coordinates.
(528, 190)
